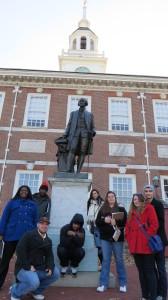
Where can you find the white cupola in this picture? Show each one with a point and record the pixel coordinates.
(82, 55)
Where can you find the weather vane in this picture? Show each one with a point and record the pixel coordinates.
(84, 3)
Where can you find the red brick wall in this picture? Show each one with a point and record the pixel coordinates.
(57, 120)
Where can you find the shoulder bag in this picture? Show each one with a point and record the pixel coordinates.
(155, 242)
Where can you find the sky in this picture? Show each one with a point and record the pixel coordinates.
(132, 33)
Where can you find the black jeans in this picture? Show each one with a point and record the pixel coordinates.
(146, 267)
(75, 255)
(161, 274)
(9, 250)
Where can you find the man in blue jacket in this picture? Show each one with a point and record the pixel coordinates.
(70, 249)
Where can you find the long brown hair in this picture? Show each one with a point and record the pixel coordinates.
(106, 207)
(139, 209)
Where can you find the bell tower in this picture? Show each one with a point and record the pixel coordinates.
(83, 55)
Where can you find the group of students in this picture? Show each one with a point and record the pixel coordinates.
(144, 210)
(25, 220)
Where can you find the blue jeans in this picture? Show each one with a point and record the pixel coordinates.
(96, 232)
(117, 249)
(35, 282)
(161, 274)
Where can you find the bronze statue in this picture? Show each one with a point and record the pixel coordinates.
(79, 134)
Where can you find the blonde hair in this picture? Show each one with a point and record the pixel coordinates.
(139, 209)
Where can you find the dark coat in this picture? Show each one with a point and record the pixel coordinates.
(43, 205)
(18, 217)
(72, 126)
(72, 241)
(158, 206)
(33, 250)
(107, 230)
(137, 241)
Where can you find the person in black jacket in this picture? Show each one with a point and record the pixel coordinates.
(43, 201)
(72, 237)
(149, 192)
(112, 239)
(34, 268)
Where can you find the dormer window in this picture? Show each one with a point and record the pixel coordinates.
(92, 45)
(83, 42)
(74, 44)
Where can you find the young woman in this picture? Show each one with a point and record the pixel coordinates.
(108, 226)
(138, 243)
(20, 215)
(93, 206)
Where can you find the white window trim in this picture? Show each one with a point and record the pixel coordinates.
(28, 105)
(69, 104)
(129, 113)
(162, 177)
(133, 176)
(155, 116)
(1, 106)
(18, 172)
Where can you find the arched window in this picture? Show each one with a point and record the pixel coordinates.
(83, 42)
(82, 70)
(74, 44)
(91, 45)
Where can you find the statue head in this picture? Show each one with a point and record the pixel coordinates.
(82, 102)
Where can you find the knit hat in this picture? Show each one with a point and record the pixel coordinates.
(44, 185)
(44, 219)
(150, 187)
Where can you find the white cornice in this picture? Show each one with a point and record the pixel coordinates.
(91, 81)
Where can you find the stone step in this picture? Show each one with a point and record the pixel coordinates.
(84, 279)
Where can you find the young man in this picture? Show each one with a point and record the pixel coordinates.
(43, 202)
(72, 237)
(34, 268)
(149, 192)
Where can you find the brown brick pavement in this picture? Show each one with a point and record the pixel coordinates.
(61, 293)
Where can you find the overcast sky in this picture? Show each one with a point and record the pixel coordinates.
(132, 33)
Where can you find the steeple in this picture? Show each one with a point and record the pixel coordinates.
(84, 9)
(83, 55)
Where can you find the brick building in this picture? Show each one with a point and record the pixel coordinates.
(131, 119)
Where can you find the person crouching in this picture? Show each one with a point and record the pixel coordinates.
(70, 251)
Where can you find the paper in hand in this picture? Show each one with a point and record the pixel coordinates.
(2, 244)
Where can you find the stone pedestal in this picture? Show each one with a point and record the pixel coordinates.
(70, 192)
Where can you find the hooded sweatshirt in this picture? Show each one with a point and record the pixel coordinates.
(72, 241)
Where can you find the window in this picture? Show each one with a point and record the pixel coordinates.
(124, 186)
(31, 178)
(82, 70)
(164, 187)
(83, 42)
(120, 114)
(37, 110)
(161, 115)
(91, 45)
(74, 44)
(73, 104)
(2, 96)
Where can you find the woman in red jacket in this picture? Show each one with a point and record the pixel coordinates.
(138, 243)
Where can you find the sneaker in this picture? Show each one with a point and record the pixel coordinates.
(101, 288)
(160, 298)
(73, 272)
(63, 271)
(37, 297)
(123, 289)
